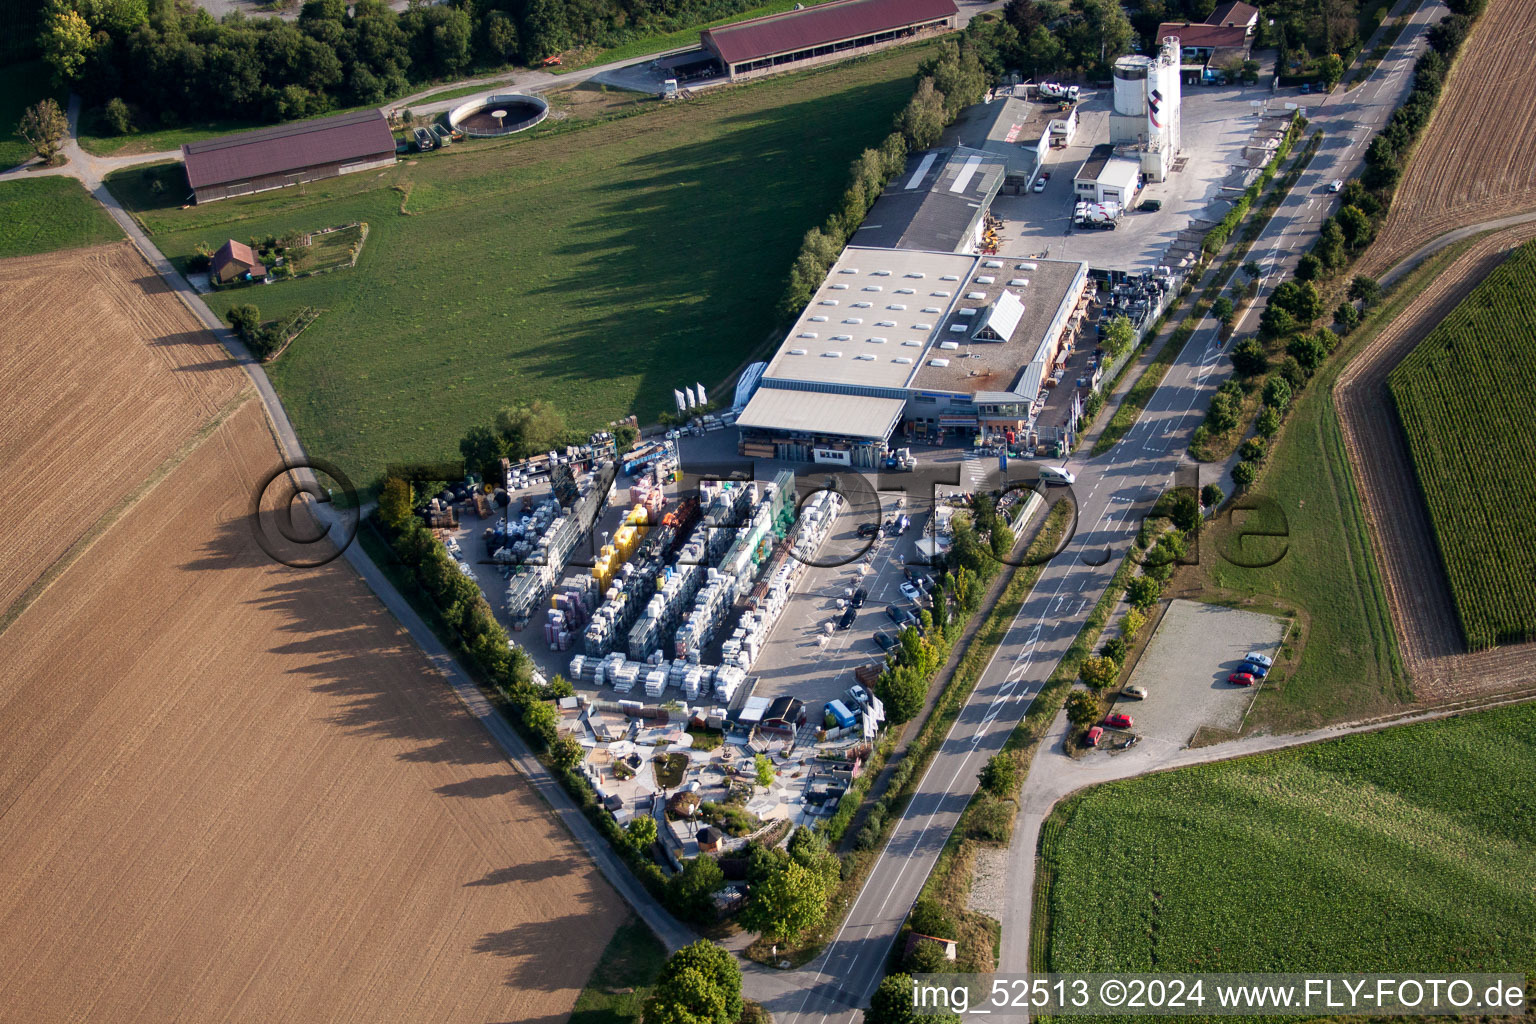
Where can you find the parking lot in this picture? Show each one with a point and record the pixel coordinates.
(1185, 669)
(1217, 121)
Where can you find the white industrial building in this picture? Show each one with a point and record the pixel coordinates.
(1021, 132)
(1145, 119)
(1107, 178)
(927, 344)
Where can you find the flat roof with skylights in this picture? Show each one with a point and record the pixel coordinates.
(1005, 313)
(871, 322)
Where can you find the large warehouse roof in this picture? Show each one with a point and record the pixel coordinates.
(936, 203)
(288, 147)
(870, 322)
(814, 412)
(821, 25)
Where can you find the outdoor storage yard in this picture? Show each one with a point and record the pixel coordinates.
(1185, 669)
(234, 790)
(585, 263)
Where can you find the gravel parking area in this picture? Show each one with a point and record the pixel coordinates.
(1185, 670)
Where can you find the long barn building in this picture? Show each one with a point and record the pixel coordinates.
(288, 154)
(824, 33)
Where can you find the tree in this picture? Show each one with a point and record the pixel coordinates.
(691, 892)
(530, 428)
(1131, 623)
(1330, 247)
(557, 687)
(244, 319)
(66, 42)
(1244, 474)
(44, 126)
(1253, 270)
(700, 984)
(931, 917)
(1043, 53)
(1141, 592)
(922, 120)
(902, 689)
(482, 449)
(1002, 540)
(567, 753)
(1223, 413)
(1082, 708)
(1099, 672)
(1249, 358)
(1365, 289)
(544, 30)
(1308, 352)
(1268, 424)
(1277, 393)
(1000, 777)
(1330, 69)
(926, 958)
(117, 116)
(1309, 268)
(1120, 336)
(642, 831)
(1346, 317)
(396, 502)
(1183, 509)
(807, 846)
(765, 771)
(1253, 450)
(786, 903)
(1275, 321)
(1222, 310)
(1211, 495)
(1356, 227)
(539, 717)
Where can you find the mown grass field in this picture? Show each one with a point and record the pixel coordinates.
(1410, 849)
(44, 214)
(621, 982)
(1463, 397)
(597, 265)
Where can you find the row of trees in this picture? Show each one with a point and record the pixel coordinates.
(175, 59)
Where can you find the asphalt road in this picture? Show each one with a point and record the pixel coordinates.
(1111, 495)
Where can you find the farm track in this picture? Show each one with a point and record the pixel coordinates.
(1474, 162)
(106, 374)
(1395, 513)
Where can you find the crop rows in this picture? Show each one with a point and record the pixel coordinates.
(1464, 397)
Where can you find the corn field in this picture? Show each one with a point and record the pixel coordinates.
(1466, 397)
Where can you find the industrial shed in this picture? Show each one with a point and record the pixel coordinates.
(289, 154)
(826, 32)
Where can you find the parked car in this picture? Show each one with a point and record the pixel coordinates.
(1259, 659)
(867, 530)
(903, 617)
(859, 597)
(1151, 205)
(1094, 735)
(1135, 692)
(911, 593)
(895, 614)
(1039, 185)
(1242, 679)
(1119, 720)
(858, 694)
(849, 614)
(884, 640)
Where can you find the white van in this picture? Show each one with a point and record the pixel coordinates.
(1053, 475)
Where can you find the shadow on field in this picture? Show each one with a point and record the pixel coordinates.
(700, 253)
(202, 343)
(537, 871)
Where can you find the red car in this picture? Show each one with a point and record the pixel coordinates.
(1241, 679)
(1119, 721)
(1094, 735)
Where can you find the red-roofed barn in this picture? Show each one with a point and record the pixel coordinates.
(826, 32)
(288, 154)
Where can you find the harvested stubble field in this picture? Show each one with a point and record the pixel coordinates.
(1474, 163)
(231, 790)
(106, 376)
(1423, 612)
(1409, 849)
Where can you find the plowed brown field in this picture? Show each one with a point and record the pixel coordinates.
(105, 375)
(1474, 162)
(1417, 589)
(235, 791)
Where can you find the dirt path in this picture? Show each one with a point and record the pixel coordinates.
(1396, 517)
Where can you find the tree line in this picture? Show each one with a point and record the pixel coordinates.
(175, 59)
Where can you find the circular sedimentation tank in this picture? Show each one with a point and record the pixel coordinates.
(501, 114)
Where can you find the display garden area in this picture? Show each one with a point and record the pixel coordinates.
(596, 265)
